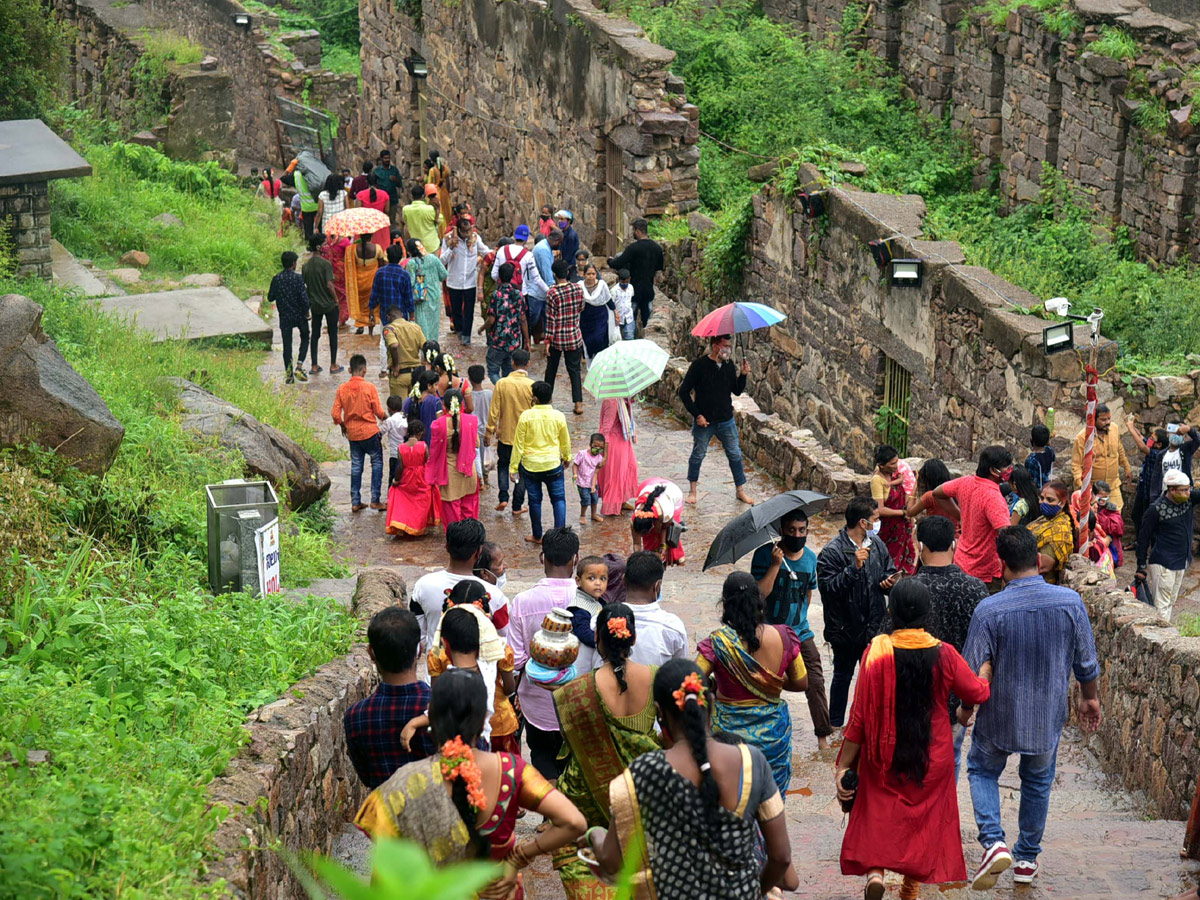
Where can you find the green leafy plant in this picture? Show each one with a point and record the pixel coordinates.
(399, 870)
(891, 428)
(670, 229)
(33, 47)
(1115, 42)
(725, 257)
(1152, 115)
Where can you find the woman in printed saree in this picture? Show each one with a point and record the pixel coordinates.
(363, 259)
(890, 491)
(687, 814)
(462, 803)
(754, 664)
(898, 740)
(607, 720)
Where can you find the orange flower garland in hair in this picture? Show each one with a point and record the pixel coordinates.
(458, 761)
(618, 627)
(691, 687)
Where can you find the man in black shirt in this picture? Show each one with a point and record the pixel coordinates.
(707, 391)
(643, 258)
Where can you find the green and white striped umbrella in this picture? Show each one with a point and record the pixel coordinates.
(625, 369)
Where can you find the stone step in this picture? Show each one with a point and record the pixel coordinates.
(70, 272)
(192, 314)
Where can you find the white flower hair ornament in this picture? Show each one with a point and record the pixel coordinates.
(454, 406)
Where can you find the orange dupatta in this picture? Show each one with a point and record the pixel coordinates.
(876, 689)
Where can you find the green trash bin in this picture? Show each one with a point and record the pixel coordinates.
(235, 509)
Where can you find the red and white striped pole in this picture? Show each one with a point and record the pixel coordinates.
(1089, 450)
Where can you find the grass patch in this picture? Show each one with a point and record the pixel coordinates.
(1115, 42)
(670, 229)
(112, 655)
(1189, 626)
(171, 47)
(225, 230)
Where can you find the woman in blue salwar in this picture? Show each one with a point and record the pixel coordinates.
(754, 663)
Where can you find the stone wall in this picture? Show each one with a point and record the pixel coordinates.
(526, 101)
(1029, 96)
(1149, 695)
(197, 122)
(292, 785)
(25, 214)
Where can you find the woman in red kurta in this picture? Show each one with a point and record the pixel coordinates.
(905, 813)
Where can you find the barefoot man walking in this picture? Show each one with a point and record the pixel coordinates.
(707, 392)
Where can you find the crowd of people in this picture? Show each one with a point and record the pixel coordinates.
(943, 594)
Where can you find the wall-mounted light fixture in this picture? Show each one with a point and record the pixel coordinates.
(881, 252)
(813, 204)
(1058, 337)
(242, 20)
(907, 272)
(416, 65)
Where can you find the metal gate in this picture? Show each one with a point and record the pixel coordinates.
(614, 200)
(301, 127)
(892, 419)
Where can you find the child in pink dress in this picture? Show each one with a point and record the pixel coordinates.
(587, 465)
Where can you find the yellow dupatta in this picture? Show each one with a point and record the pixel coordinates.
(876, 690)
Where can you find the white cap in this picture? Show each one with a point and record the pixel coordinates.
(1175, 478)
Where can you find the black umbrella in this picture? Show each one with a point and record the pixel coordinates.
(758, 525)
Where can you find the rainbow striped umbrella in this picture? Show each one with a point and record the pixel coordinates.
(734, 318)
(625, 369)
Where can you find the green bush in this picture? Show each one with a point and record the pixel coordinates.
(112, 211)
(113, 657)
(33, 56)
(1115, 42)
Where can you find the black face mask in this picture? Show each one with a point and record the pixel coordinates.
(793, 544)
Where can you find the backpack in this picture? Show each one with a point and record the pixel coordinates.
(518, 279)
(314, 171)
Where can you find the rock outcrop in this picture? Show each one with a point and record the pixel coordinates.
(269, 453)
(45, 401)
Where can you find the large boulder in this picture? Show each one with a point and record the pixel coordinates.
(269, 453)
(44, 400)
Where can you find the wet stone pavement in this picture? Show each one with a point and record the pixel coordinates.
(1097, 844)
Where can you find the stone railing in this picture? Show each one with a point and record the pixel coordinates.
(1149, 694)
(292, 786)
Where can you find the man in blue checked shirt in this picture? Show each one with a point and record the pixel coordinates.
(392, 293)
(1035, 635)
(786, 573)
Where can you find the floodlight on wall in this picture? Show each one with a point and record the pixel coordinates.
(416, 65)
(907, 272)
(881, 252)
(1058, 337)
(242, 20)
(813, 204)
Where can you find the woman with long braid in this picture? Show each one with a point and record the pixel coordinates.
(689, 812)
(607, 720)
(462, 803)
(754, 664)
(453, 443)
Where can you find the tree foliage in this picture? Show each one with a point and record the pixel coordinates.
(33, 53)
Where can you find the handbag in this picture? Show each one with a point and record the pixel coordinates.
(614, 330)
(850, 783)
(674, 534)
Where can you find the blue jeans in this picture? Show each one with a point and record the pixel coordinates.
(499, 364)
(629, 330)
(556, 486)
(587, 497)
(537, 309)
(985, 764)
(960, 733)
(727, 433)
(372, 447)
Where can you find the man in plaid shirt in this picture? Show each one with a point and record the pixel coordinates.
(373, 725)
(564, 306)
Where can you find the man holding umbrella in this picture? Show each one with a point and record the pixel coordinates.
(707, 393)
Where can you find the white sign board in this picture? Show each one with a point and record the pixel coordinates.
(266, 545)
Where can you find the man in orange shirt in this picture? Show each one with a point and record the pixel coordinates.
(357, 410)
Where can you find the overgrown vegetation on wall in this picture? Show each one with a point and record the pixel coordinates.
(225, 229)
(33, 52)
(772, 93)
(337, 20)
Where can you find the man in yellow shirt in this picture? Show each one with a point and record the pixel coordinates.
(421, 219)
(541, 450)
(513, 395)
(1108, 457)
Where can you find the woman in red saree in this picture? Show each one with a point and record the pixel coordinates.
(334, 250)
(887, 490)
(898, 740)
(462, 803)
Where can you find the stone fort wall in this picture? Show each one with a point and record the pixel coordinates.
(1027, 97)
(533, 103)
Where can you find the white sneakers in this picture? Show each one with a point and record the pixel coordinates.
(996, 859)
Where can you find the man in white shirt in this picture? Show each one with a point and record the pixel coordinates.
(661, 635)
(461, 251)
(464, 540)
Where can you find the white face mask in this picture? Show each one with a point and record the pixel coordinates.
(502, 580)
(724, 352)
(875, 526)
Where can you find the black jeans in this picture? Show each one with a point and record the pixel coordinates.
(543, 750)
(285, 331)
(331, 325)
(574, 360)
(845, 661)
(642, 304)
(462, 311)
(308, 221)
(503, 479)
